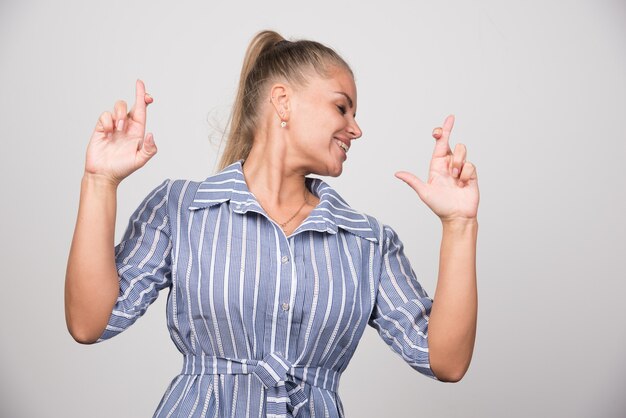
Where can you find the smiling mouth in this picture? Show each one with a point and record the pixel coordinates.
(342, 145)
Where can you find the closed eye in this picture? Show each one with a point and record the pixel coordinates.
(342, 109)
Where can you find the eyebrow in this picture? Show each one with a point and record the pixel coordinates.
(350, 103)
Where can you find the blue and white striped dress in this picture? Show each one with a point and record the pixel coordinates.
(266, 323)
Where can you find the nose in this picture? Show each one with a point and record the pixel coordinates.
(355, 130)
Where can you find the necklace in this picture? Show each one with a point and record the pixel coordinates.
(284, 224)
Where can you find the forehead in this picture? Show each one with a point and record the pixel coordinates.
(341, 79)
(338, 80)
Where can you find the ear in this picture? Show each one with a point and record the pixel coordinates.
(280, 95)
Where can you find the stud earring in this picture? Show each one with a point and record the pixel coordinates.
(283, 124)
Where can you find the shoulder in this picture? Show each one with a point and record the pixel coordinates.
(183, 186)
(349, 218)
(383, 232)
(184, 192)
(175, 193)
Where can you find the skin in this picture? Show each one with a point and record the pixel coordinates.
(316, 116)
(451, 192)
(118, 146)
(280, 158)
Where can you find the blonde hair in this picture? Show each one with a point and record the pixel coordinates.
(269, 58)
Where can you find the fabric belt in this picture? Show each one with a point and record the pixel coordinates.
(282, 380)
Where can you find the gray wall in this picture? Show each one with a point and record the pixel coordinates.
(539, 93)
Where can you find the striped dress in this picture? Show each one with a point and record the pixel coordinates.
(266, 322)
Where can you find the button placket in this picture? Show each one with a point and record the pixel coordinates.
(285, 261)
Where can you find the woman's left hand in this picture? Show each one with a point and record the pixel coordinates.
(452, 188)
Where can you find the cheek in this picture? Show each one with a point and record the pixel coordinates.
(316, 128)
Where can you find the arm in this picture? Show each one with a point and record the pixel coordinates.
(452, 194)
(91, 281)
(402, 307)
(116, 149)
(452, 326)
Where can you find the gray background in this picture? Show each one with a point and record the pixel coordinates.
(539, 92)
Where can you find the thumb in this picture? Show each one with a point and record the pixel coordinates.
(414, 182)
(148, 149)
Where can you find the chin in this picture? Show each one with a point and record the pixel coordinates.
(331, 168)
(335, 171)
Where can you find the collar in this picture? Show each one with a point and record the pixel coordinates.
(331, 213)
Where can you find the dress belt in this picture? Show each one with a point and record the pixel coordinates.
(282, 380)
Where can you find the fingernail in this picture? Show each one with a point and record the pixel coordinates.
(455, 172)
(120, 124)
(148, 96)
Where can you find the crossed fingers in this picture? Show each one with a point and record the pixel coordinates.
(119, 117)
(458, 167)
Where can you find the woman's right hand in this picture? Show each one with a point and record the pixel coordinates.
(117, 146)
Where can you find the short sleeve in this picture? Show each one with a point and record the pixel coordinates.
(143, 260)
(402, 308)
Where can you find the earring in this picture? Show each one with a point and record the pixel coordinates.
(283, 124)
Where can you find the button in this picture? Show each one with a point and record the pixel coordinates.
(284, 259)
(285, 306)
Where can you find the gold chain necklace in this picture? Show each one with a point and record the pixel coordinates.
(284, 224)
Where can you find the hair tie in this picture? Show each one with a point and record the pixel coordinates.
(283, 42)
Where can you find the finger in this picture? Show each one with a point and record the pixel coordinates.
(148, 149)
(120, 114)
(105, 123)
(437, 132)
(442, 146)
(413, 181)
(138, 112)
(468, 172)
(458, 159)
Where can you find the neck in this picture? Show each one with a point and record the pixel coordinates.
(277, 179)
(271, 175)
(272, 182)
(280, 191)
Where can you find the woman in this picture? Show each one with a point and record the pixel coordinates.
(272, 275)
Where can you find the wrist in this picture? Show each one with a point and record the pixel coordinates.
(460, 223)
(99, 181)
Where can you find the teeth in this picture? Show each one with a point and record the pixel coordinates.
(342, 145)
